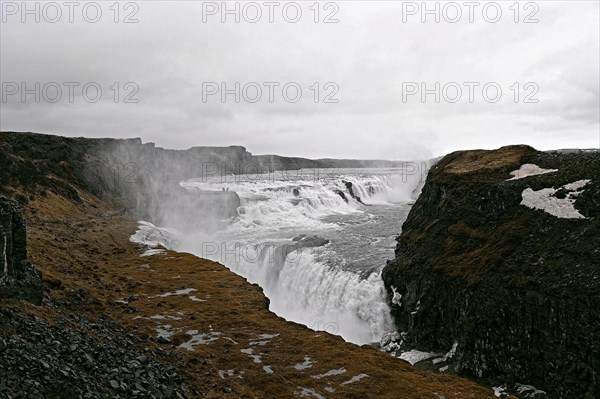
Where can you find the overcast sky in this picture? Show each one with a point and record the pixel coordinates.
(372, 63)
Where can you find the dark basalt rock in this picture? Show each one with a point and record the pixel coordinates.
(341, 194)
(350, 189)
(304, 241)
(74, 358)
(18, 278)
(518, 289)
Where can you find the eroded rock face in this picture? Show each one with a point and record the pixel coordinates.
(18, 279)
(517, 287)
(13, 244)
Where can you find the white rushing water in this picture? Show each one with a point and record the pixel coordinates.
(330, 281)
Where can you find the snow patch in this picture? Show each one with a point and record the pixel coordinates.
(249, 352)
(178, 292)
(154, 237)
(529, 169)
(303, 366)
(199, 339)
(267, 336)
(546, 200)
(163, 317)
(226, 373)
(268, 369)
(196, 299)
(414, 356)
(355, 379)
(330, 373)
(263, 339)
(308, 393)
(164, 331)
(152, 251)
(259, 343)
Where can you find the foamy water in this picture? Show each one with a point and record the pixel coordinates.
(335, 287)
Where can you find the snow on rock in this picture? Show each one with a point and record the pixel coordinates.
(528, 391)
(500, 391)
(414, 356)
(579, 184)
(397, 298)
(546, 200)
(448, 355)
(522, 390)
(529, 169)
(392, 342)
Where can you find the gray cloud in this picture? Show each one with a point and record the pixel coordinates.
(369, 54)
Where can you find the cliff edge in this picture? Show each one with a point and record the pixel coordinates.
(498, 262)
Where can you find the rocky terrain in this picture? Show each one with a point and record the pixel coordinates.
(108, 322)
(502, 270)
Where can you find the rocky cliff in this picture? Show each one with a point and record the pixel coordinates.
(18, 279)
(505, 268)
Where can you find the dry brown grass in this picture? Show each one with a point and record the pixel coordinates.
(478, 160)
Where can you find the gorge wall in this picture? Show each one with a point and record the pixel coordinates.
(142, 177)
(516, 289)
